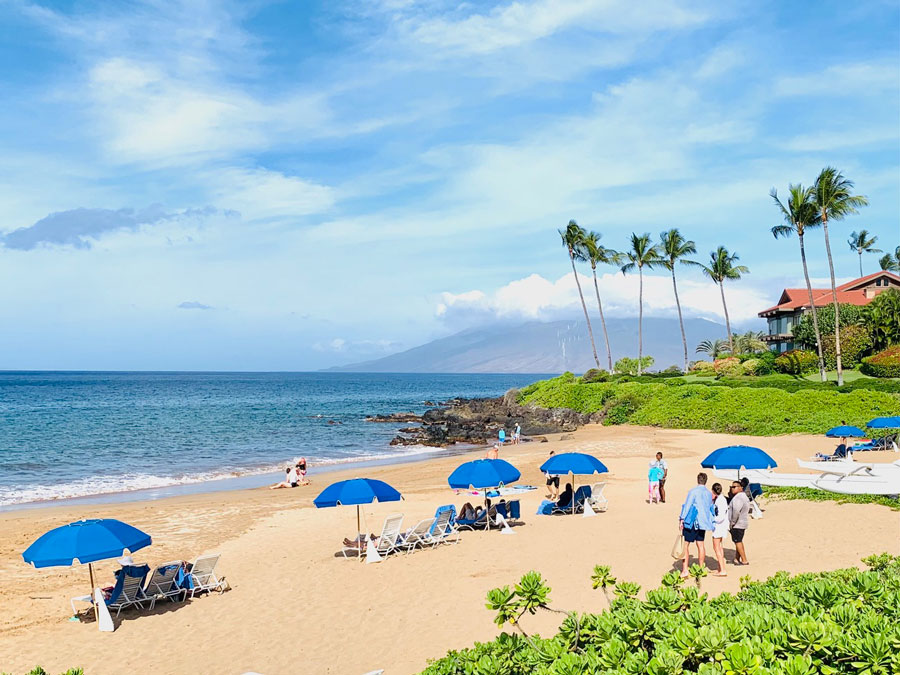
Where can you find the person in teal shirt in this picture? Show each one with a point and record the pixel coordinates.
(653, 477)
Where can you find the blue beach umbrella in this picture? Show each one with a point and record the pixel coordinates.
(483, 473)
(845, 431)
(575, 463)
(884, 423)
(356, 491)
(738, 457)
(85, 541)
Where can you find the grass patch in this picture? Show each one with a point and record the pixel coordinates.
(813, 495)
(740, 409)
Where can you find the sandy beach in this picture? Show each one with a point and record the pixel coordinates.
(295, 608)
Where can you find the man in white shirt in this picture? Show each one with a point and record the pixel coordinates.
(662, 464)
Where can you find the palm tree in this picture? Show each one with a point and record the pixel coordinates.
(595, 253)
(572, 237)
(800, 214)
(890, 262)
(721, 267)
(861, 242)
(642, 254)
(834, 199)
(675, 249)
(750, 342)
(711, 347)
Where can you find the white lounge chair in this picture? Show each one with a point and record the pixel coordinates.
(386, 543)
(598, 500)
(420, 535)
(443, 528)
(161, 583)
(132, 595)
(203, 575)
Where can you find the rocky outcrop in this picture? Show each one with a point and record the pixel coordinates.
(477, 421)
(395, 418)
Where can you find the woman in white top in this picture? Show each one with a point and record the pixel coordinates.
(720, 521)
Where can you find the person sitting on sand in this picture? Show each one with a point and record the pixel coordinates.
(290, 479)
(301, 471)
(360, 541)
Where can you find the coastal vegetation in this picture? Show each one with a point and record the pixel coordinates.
(843, 621)
(37, 670)
(776, 406)
(778, 493)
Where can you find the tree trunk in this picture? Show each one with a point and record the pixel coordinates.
(640, 317)
(584, 307)
(860, 262)
(837, 316)
(727, 320)
(812, 308)
(602, 319)
(680, 320)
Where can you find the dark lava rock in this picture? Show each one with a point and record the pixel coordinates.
(395, 418)
(477, 421)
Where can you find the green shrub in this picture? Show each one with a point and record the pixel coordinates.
(629, 366)
(855, 341)
(730, 366)
(595, 375)
(882, 318)
(804, 332)
(745, 408)
(883, 364)
(703, 368)
(766, 363)
(796, 362)
(749, 366)
(830, 623)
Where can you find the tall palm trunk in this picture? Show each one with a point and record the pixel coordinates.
(812, 308)
(584, 307)
(837, 316)
(680, 321)
(860, 261)
(640, 317)
(727, 320)
(602, 319)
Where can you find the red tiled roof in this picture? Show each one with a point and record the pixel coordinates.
(851, 293)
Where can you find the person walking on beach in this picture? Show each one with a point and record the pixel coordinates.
(552, 484)
(517, 434)
(738, 519)
(694, 521)
(664, 467)
(720, 527)
(502, 436)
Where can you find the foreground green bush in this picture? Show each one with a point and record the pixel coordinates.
(761, 411)
(796, 362)
(833, 623)
(37, 670)
(883, 364)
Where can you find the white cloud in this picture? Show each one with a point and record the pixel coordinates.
(520, 23)
(257, 193)
(869, 78)
(537, 298)
(854, 137)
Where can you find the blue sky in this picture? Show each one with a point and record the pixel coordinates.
(256, 185)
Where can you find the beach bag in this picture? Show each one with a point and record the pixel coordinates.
(678, 547)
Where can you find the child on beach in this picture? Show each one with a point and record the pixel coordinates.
(301, 471)
(654, 475)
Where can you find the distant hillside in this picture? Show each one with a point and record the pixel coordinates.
(543, 347)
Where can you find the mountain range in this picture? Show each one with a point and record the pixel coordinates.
(537, 347)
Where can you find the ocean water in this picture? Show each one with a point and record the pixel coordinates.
(73, 434)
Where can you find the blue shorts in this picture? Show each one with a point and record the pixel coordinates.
(692, 534)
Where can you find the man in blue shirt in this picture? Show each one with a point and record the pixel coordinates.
(694, 521)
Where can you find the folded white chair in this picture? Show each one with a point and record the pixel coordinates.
(203, 575)
(598, 500)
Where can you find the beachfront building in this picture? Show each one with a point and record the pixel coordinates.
(794, 303)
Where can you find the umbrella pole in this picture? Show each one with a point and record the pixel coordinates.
(93, 599)
(358, 533)
(573, 494)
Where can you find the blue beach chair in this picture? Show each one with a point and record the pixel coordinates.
(129, 589)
